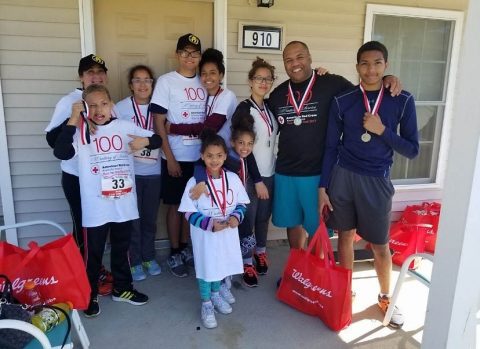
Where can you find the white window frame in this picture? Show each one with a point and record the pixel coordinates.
(457, 17)
(6, 182)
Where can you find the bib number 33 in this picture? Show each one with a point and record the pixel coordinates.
(115, 187)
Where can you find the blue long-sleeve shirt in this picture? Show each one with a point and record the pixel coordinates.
(344, 145)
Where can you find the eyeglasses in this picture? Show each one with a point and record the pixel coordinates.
(142, 81)
(186, 54)
(260, 79)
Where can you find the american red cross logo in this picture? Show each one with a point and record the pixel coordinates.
(95, 170)
(185, 114)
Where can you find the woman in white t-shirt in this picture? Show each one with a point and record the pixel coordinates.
(136, 109)
(220, 102)
(255, 110)
(214, 220)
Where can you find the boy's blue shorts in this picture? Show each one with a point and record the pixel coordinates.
(295, 202)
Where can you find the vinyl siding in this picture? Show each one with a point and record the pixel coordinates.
(39, 53)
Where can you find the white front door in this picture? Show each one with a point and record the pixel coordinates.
(145, 32)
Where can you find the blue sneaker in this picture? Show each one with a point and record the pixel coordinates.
(152, 267)
(137, 273)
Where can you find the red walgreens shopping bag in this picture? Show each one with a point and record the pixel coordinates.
(426, 213)
(317, 286)
(407, 239)
(57, 269)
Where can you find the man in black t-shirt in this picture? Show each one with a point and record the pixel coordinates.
(301, 106)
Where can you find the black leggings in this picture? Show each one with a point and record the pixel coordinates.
(95, 245)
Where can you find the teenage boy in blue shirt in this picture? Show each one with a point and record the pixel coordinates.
(355, 183)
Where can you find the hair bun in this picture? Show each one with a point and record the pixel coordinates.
(206, 134)
(214, 54)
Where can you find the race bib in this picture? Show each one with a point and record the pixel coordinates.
(146, 156)
(191, 140)
(116, 186)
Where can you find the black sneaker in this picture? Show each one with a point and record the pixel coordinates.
(250, 278)
(93, 308)
(130, 296)
(175, 263)
(187, 257)
(261, 263)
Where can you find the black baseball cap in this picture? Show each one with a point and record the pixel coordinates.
(89, 61)
(189, 40)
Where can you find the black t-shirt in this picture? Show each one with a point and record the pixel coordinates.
(301, 147)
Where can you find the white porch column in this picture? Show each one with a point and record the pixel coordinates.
(455, 290)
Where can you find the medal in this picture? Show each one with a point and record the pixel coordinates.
(221, 204)
(297, 121)
(145, 122)
(366, 137)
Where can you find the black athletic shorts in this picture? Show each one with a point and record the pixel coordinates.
(173, 187)
(360, 202)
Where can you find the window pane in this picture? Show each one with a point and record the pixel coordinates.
(420, 166)
(427, 122)
(431, 80)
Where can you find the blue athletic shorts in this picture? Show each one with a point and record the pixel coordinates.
(296, 202)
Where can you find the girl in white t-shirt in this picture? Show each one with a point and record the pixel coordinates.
(107, 188)
(136, 109)
(214, 220)
(92, 69)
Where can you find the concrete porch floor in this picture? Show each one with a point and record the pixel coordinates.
(171, 319)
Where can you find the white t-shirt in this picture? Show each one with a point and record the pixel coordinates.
(147, 162)
(224, 103)
(62, 112)
(264, 147)
(107, 183)
(217, 254)
(184, 98)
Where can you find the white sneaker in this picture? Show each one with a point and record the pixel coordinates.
(220, 304)
(226, 294)
(208, 315)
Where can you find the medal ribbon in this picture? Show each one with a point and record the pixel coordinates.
(265, 116)
(222, 205)
(243, 171)
(298, 108)
(208, 111)
(376, 106)
(84, 128)
(142, 121)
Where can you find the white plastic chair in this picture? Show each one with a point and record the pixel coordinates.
(26, 327)
(76, 321)
(401, 278)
